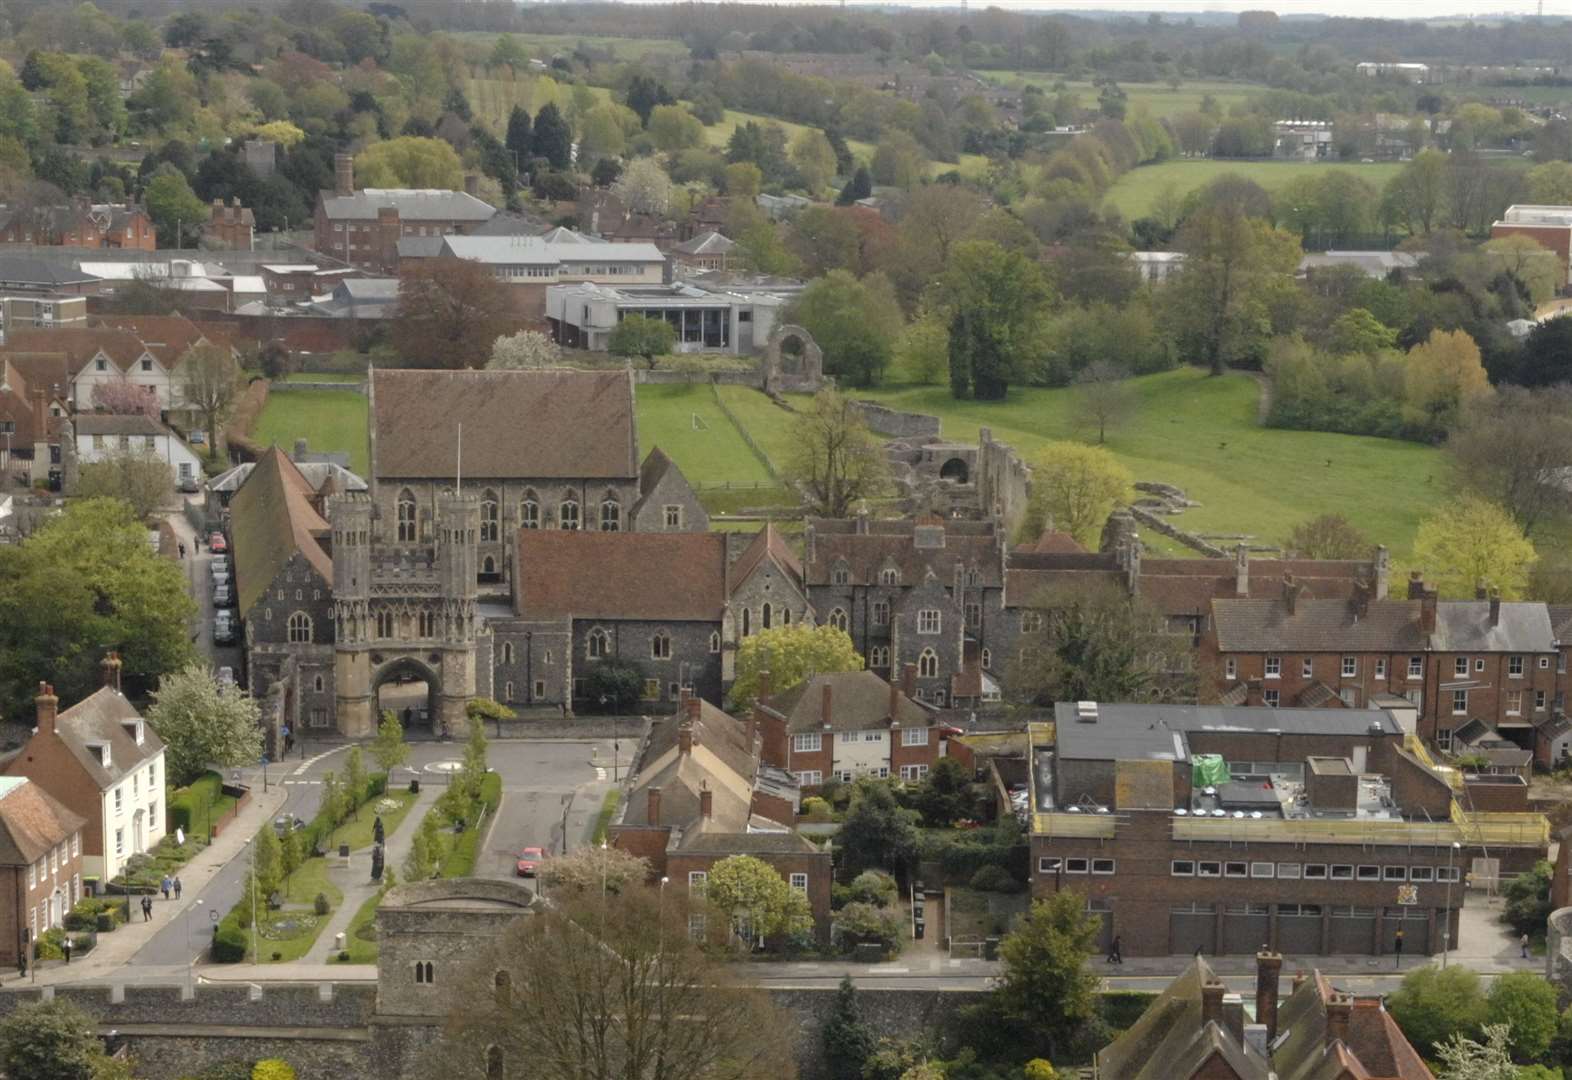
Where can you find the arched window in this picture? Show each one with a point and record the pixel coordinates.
(747, 621)
(423, 974)
(428, 624)
(568, 514)
(928, 664)
(300, 628)
(507, 652)
(889, 576)
(765, 619)
(987, 659)
(599, 644)
(529, 513)
(610, 516)
(507, 690)
(660, 646)
(840, 575)
(406, 517)
(881, 613)
(785, 616)
(837, 619)
(494, 1053)
(488, 567)
(714, 641)
(490, 518)
(879, 656)
(974, 576)
(317, 684)
(384, 624)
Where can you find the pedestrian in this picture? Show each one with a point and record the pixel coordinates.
(177, 888)
(1397, 948)
(165, 885)
(182, 548)
(1523, 942)
(1113, 951)
(147, 909)
(65, 947)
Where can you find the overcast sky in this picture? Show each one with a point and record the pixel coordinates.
(1395, 9)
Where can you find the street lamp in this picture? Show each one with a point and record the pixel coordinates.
(603, 861)
(661, 951)
(1446, 926)
(190, 963)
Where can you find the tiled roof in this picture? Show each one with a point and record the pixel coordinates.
(166, 336)
(1166, 1038)
(1385, 626)
(1053, 542)
(98, 718)
(32, 822)
(117, 424)
(271, 518)
(33, 270)
(620, 575)
(81, 344)
(520, 424)
(859, 700)
(414, 204)
(893, 544)
(712, 838)
(20, 373)
(767, 543)
(708, 242)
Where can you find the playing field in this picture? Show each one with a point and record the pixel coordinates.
(708, 450)
(327, 419)
(1158, 98)
(1136, 191)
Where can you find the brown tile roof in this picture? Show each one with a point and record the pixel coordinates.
(1169, 1041)
(166, 336)
(722, 733)
(1317, 626)
(858, 700)
(51, 370)
(767, 543)
(1053, 542)
(520, 424)
(620, 575)
(117, 424)
(81, 344)
(271, 518)
(1187, 586)
(19, 374)
(891, 543)
(99, 718)
(713, 838)
(32, 822)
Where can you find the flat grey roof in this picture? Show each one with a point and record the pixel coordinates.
(1157, 732)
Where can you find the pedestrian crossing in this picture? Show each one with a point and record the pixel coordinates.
(301, 783)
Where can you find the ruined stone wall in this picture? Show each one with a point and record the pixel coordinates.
(1004, 482)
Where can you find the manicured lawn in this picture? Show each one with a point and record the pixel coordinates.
(290, 934)
(358, 834)
(360, 939)
(769, 425)
(1136, 191)
(327, 419)
(310, 878)
(326, 377)
(708, 450)
(1157, 97)
(1200, 433)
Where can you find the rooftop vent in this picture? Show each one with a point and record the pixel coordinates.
(1086, 712)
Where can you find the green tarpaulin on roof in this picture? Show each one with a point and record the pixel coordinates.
(1208, 770)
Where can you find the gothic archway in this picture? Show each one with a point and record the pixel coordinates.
(407, 686)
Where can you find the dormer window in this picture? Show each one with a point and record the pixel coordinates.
(840, 575)
(100, 365)
(100, 751)
(147, 365)
(133, 729)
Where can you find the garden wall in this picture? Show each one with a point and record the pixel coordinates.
(904, 425)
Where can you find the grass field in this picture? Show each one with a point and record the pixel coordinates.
(1136, 191)
(327, 419)
(714, 453)
(544, 45)
(1156, 97)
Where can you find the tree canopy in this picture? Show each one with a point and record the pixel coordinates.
(790, 654)
(836, 461)
(1472, 541)
(204, 722)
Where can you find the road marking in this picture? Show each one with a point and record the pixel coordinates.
(304, 765)
(600, 774)
(302, 783)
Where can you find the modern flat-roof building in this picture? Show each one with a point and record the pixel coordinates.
(528, 265)
(1550, 225)
(1372, 69)
(706, 320)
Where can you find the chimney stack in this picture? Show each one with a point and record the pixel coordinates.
(1212, 1003)
(343, 174)
(1268, 965)
(1338, 1012)
(1427, 611)
(472, 185)
(826, 706)
(706, 801)
(1300, 978)
(895, 705)
(685, 739)
(1495, 607)
(764, 685)
(40, 415)
(1383, 571)
(1241, 571)
(692, 704)
(909, 680)
(1233, 1016)
(1481, 590)
(48, 705)
(1291, 591)
(109, 670)
(1416, 585)
(653, 811)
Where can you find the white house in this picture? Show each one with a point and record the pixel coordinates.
(100, 434)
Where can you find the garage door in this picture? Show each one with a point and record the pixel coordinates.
(1299, 929)
(1246, 928)
(1192, 927)
(1353, 930)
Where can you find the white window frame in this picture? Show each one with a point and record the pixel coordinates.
(1459, 702)
(1515, 667)
(1274, 667)
(920, 739)
(810, 778)
(799, 883)
(1380, 667)
(1174, 871)
(1416, 667)
(1263, 870)
(1049, 864)
(1077, 864)
(1307, 668)
(929, 621)
(807, 742)
(913, 772)
(1272, 698)
(1350, 667)
(1230, 668)
(1215, 871)
(1460, 667)
(1444, 738)
(1288, 871)
(1107, 866)
(698, 881)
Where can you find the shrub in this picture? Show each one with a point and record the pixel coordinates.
(874, 887)
(320, 905)
(816, 809)
(229, 944)
(860, 923)
(994, 879)
(103, 922)
(273, 1069)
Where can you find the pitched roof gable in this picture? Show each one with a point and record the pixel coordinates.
(620, 575)
(859, 700)
(767, 543)
(32, 822)
(81, 344)
(167, 337)
(271, 519)
(99, 719)
(521, 424)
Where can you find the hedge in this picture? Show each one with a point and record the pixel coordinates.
(460, 859)
(229, 942)
(190, 803)
(321, 827)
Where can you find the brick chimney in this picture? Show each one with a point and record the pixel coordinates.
(472, 185)
(909, 680)
(1427, 611)
(1383, 572)
(1212, 1003)
(706, 801)
(109, 671)
(1241, 571)
(1360, 599)
(1338, 1012)
(1300, 978)
(653, 809)
(1268, 965)
(685, 739)
(826, 705)
(1495, 607)
(1416, 585)
(1291, 591)
(48, 705)
(692, 706)
(895, 704)
(40, 415)
(343, 174)
(1481, 590)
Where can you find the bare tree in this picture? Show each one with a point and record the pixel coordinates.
(611, 989)
(836, 460)
(139, 477)
(450, 313)
(209, 381)
(1515, 448)
(1328, 536)
(1104, 398)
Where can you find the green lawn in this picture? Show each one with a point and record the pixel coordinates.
(358, 834)
(1136, 191)
(1158, 98)
(360, 939)
(309, 879)
(1201, 434)
(544, 45)
(714, 453)
(327, 419)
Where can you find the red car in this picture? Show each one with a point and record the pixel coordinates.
(529, 861)
(217, 544)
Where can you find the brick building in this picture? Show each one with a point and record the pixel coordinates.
(40, 864)
(1549, 226)
(78, 223)
(231, 227)
(363, 227)
(849, 724)
(34, 400)
(1313, 831)
(1454, 660)
(701, 792)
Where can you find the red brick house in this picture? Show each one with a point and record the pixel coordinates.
(363, 227)
(79, 223)
(40, 864)
(700, 793)
(849, 724)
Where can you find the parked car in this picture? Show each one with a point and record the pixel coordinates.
(220, 575)
(197, 438)
(529, 861)
(224, 628)
(287, 823)
(220, 562)
(217, 544)
(223, 596)
(189, 485)
(226, 676)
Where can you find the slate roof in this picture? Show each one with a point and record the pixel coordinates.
(708, 242)
(718, 762)
(767, 543)
(32, 270)
(511, 223)
(537, 250)
(677, 577)
(859, 700)
(97, 718)
(893, 543)
(414, 204)
(1187, 586)
(32, 822)
(117, 424)
(520, 424)
(1386, 626)
(271, 518)
(1169, 1042)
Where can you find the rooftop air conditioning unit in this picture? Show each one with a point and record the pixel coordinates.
(1086, 712)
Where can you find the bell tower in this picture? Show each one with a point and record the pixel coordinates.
(351, 520)
(458, 537)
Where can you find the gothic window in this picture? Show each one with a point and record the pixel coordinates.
(987, 659)
(837, 619)
(568, 514)
(840, 575)
(747, 621)
(507, 652)
(423, 974)
(660, 646)
(766, 616)
(406, 517)
(599, 644)
(488, 567)
(714, 641)
(384, 624)
(974, 576)
(529, 513)
(507, 690)
(879, 656)
(494, 1061)
(428, 624)
(610, 516)
(490, 518)
(881, 613)
(889, 576)
(300, 628)
(317, 684)
(785, 616)
(928, 664)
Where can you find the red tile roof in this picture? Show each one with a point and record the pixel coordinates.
(81, 344)
(31, 823)
(620, 575)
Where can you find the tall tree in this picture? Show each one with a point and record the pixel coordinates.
(409, 161)
(790, 654)
(642, 336)
(204, 723)
(450, 313)
(1434, 1003)
(613, 988)
(388, 749)
(208, 381)
(519, 139)
(814, 158)
(997, 299)
(1444, 376)
(174, 208)
(847, 1040)
(552, 138)
(140, 477)
(836, 461)
(1469, 541)
(756, 900)
(1511, 447)
(1327, 536)
(55, 1040)
(1044, 984)
(853, 321)
(1095, 644)
(878, 834)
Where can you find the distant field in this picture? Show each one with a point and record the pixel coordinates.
(327, 419)
(1534, 95)
(708, 452)
(720, 134)
(543, 45)
(1136, 191)
(1157, 97)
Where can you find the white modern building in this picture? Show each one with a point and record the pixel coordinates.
(583, 316)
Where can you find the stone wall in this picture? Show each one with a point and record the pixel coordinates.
(894, 1014)
(1004, 482)
(904, 425)
(1558, 951)
(754, 378)
(335, 1005)
(1169, 529)
(316, 387)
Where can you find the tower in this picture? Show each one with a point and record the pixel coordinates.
(351, 519)
(458, 534)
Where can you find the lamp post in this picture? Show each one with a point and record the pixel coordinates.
(1446, 926)
(603, 871)
(190, 963)
(661, 951)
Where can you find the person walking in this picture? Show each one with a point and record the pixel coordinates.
(1523, 942)
(182, 548)
(1397, 949)
(147, 909)
(1113, 951)
(65, 948)
(177, 888)
(165, 885)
